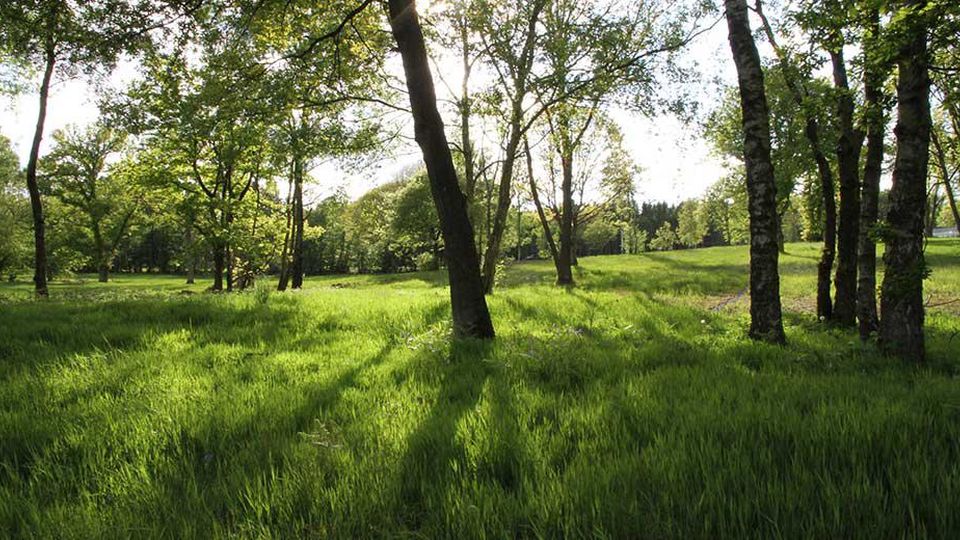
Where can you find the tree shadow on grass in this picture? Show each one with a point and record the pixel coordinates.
(433, 456)
(209, 457)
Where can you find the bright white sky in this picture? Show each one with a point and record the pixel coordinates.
(677, 163)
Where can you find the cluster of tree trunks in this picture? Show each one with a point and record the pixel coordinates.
(291, 259)
(800, 94)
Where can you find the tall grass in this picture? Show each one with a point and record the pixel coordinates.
(631, 406)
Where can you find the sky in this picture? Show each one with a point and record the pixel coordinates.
(677, 163)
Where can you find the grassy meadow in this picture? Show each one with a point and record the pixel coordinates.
(631, 406)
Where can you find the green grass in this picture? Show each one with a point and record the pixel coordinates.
(632, 406)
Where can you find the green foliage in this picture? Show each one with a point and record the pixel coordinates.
(665, 239)
(15, 218)
(727, 207)
(693, 223)
(391, 228)
(794, 168)
(344, 410)
(81, 37)
(100, 198)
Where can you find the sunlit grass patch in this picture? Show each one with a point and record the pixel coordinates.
(625, 407)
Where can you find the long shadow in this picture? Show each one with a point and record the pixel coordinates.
(425, 467)
(258, 446)
(259, 440)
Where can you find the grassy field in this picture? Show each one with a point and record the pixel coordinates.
(631, 406)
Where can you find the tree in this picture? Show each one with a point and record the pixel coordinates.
(206, 121)
(766, 321)
(849, 145)
(665, 239)
(901, 301)
(576, 196)
(77, 173)
(875, 71)
(692, 223)
(471, 317)
(567, 129)
(81, 36)
(945, 152)
(575, 56)
(14, 215)
(790, 153)
(507, 25)
(796, 79)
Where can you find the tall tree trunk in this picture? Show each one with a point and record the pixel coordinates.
(848, 161)
(191, 254)
(766, 321)
(285, 253)
(36, 204)
(103, 261)
(566, 255)
(946, 175)
(828, 253)
(812, 133)
(219, 254)
(230, 267)
(103, 272)
(296, 269)
(471, 317)
(901, 302)
(870, 194)
(495, 236)
(933, 208)
(516, 131)
(544, 223)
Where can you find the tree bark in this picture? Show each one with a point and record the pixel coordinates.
(285, 253)
(766, 320)
(471, 317)
(933, 208)
(36, 204)
(848, 161)
(218, 259)
(869, 196)
(296, 269)
(901, 302)
(828, 253)
(191, 253)
(565, 255)
(103, 257)
(230, 267)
